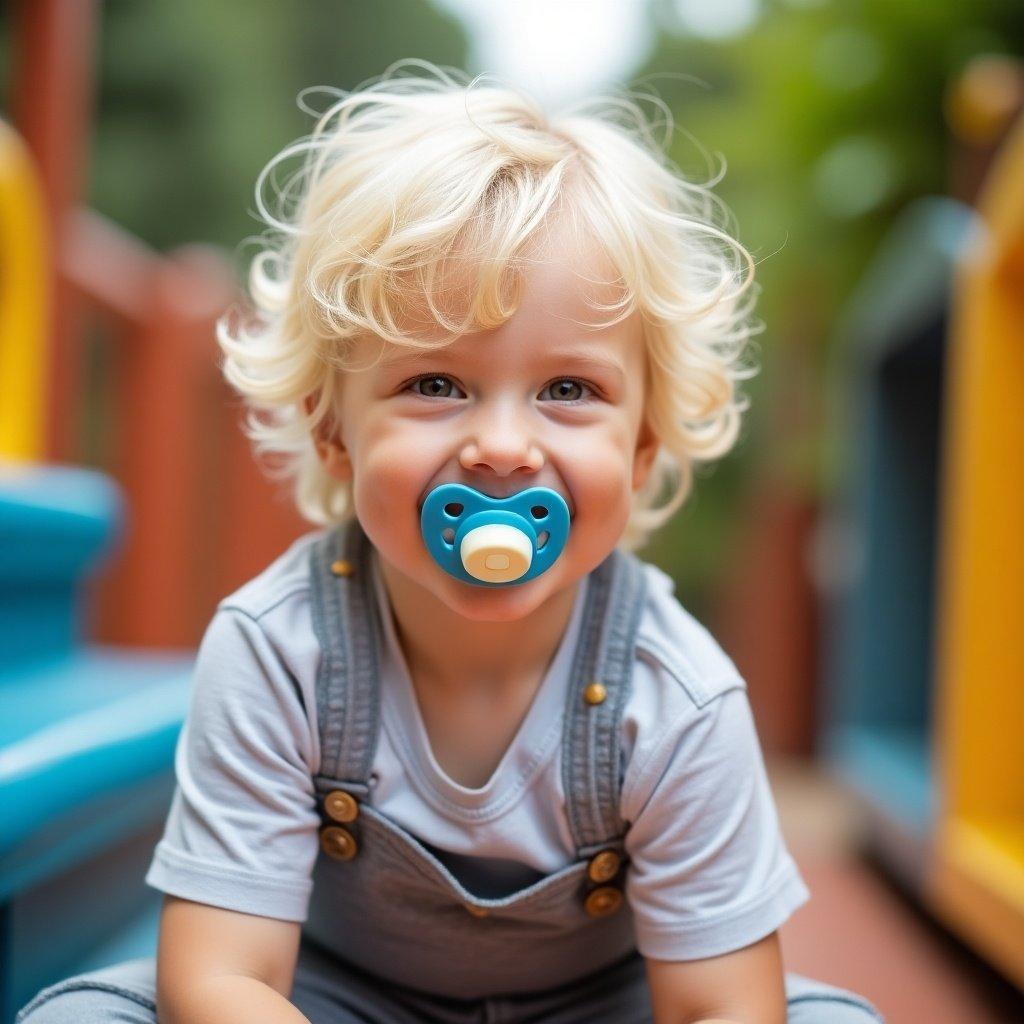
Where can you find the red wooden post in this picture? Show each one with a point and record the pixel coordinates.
(150, 596)
(258, 517)
(52, 99)
(766, 617)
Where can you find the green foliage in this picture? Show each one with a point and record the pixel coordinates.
(194, 97)
(829, 117)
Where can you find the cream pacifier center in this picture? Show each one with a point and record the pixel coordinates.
(494, 542)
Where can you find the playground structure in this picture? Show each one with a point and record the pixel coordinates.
(925, 720)
(130, 354)
(88, 730)
(925, 717)
(96, 668)
(977, 878)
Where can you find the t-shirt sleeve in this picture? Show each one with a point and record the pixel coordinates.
(242, 829)
(710, 872)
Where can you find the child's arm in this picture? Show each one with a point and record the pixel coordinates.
(235, 861)
(710, 879)
(221, 967)
(743, 987)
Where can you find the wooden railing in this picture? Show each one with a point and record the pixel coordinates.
(202, 517)
(131, 382)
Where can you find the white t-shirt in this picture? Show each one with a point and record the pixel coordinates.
(709, 869)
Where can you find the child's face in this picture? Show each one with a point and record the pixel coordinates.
(539, 401)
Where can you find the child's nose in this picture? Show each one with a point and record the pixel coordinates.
(502, 442)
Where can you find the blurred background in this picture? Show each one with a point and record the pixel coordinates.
(859, 555)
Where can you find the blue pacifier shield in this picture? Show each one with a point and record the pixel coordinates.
(494, 542)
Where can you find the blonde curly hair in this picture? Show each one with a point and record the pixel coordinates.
(413, 174)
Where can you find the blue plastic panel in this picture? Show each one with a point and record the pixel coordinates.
(76, 733)
(56, 523)
(877, 706)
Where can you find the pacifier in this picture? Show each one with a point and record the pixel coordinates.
(494, 542)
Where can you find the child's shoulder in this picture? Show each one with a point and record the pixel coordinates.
(285, 577)
(680, 645)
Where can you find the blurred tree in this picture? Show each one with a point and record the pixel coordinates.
(194, 97)
(829, 116)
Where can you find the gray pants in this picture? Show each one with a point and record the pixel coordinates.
(328, 992)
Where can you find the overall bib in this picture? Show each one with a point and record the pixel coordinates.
(393, 936)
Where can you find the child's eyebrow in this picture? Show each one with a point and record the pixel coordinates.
(585, 358)
(582, 357)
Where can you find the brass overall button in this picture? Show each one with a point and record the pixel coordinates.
(342, 567)
(604, 866)
(595, 693)
(338, 842)
(341, 806)
(477, 911)
(603, 901)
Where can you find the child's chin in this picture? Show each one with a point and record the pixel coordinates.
(496, 604)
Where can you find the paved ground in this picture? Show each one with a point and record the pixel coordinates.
(860, 931)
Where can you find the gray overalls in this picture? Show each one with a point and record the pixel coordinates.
(393, 936)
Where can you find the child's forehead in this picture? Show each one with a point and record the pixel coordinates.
(564, 292)
(562, 285)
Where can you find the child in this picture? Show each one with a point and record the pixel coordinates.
(403, 797)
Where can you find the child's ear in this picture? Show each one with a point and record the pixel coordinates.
(331, 451)
(647, 445)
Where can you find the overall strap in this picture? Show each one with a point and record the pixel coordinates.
(599, 686)
(346, 621)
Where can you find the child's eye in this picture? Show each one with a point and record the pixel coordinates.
(438, 385)
(568, 390)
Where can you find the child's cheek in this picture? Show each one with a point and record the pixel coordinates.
(388, 478)
(598, 476)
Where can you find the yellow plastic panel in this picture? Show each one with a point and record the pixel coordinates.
(978, 880)
(978, 888)
(23, 302)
